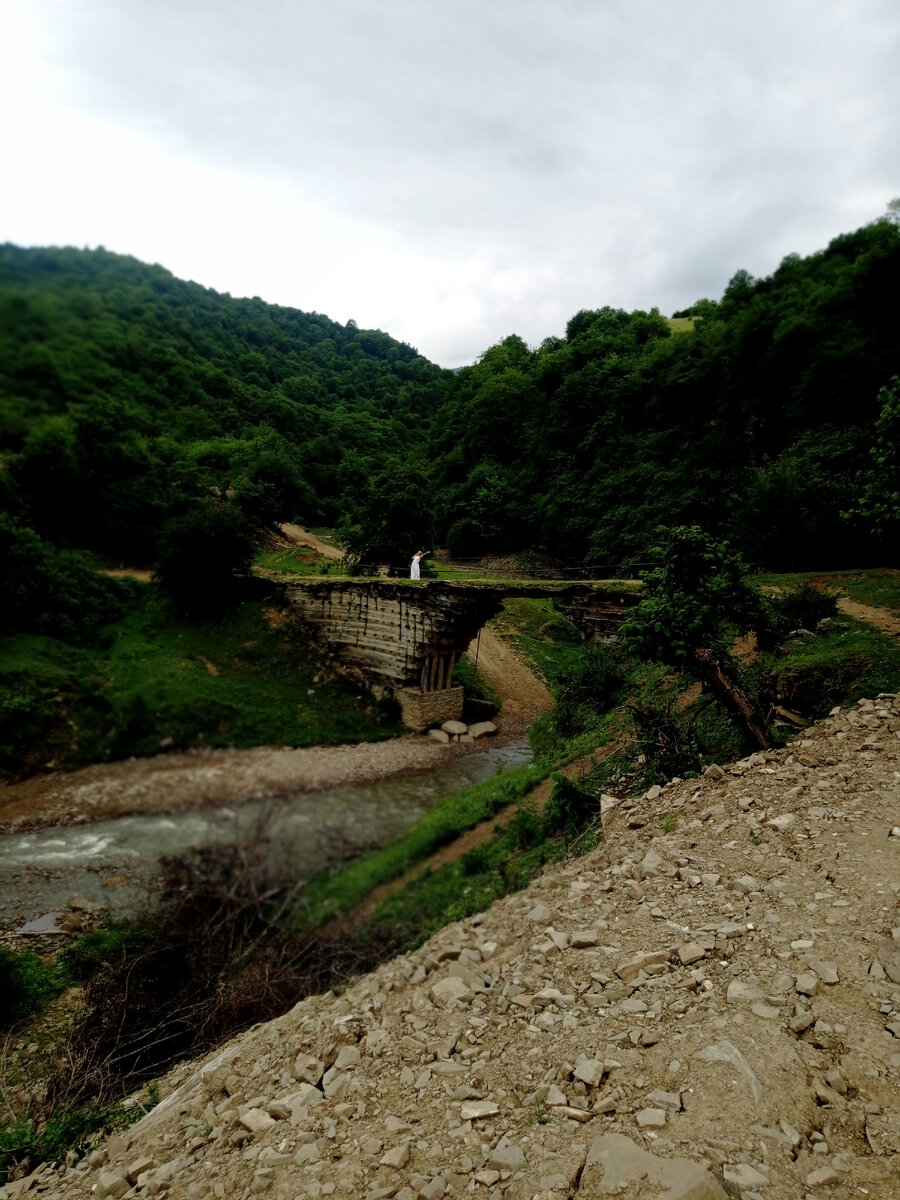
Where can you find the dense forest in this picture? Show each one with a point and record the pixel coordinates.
(131, 401)
(758, 423)
(126, 394)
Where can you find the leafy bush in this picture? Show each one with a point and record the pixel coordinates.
(804, 606)
(667, 740)
(587, 688)
(85, 956)
(569, 809)
(51, 591)
(26, 984)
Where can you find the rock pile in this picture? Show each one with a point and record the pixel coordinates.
(707, 1006)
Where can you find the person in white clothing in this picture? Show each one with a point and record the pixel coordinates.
(414, 565)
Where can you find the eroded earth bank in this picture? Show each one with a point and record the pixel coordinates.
(706, 1006)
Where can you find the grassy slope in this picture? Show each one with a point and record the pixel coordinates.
(155, 682)
(880, 588)
(841, 665)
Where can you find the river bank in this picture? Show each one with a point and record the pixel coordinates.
(204, 778)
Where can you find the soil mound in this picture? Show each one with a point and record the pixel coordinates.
(707, 1006)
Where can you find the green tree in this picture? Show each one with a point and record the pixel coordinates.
(391, 519)
(879, 500)
(697, 601)
(205, 558)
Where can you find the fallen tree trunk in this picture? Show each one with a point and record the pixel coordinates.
(733, 696)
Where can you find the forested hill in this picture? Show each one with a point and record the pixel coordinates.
(129, 399)
(125, 394)
(758, 423)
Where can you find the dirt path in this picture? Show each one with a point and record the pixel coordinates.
(302, 537)
(881, 618)
(524, 697)
(470, 840)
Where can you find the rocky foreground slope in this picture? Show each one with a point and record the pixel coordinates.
(707, 1006)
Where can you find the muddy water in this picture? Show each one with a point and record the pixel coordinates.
(116, 862)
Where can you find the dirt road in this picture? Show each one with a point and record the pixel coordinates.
(302, 537)
(881, 618)
(524, 697)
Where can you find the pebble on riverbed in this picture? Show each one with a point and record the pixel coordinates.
(458, 731)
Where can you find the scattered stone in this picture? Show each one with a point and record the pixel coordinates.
(629, 970)
(725, 1051)
(807, 984)
(740, 992)
(588, 1070)
(651, 1118)
(482, 729)
(256, 1120)
(110, 1185)
(584, 939)
(507, 1156)
(747, 883)
(451, 989)
(690, 953)
(826, 971)
(821, 1176)
(397, 1156)
(139, 1166)
(889, 957)
(616, 1165)
(308, 1069)
(783, 823)
(540, 914)
(478, 1110)
(476, 1062)
(744, 1176)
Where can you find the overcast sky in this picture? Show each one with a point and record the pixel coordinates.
(449, 172)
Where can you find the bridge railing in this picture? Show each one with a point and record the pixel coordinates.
(478, 568)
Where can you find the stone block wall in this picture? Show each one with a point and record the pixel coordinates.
(419, 710)
(395, 635)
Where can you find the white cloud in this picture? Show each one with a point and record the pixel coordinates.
(449, 173)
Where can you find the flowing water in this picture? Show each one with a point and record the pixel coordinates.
(116, 862)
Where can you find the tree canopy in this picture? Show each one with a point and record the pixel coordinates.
(130, 400)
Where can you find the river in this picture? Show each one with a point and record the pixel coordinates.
(115, 862)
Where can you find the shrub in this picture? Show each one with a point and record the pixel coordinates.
(26, 984)
(667, 740)
(51, 591)
(589, 687)
(805, 606)
(569, 809)
(205, 555)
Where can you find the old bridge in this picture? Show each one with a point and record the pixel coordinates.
(405, 639)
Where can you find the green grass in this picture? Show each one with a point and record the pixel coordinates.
(157, 682)
(548, 641)
(473, 680)
(879, 587)
(298, 560)
(848, 662)
(337, 891)
(680, 324)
